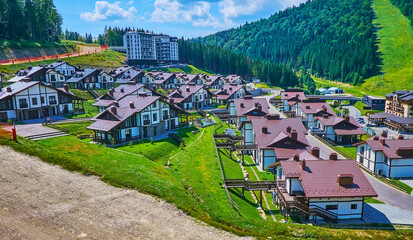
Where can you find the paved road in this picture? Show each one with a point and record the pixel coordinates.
(325, 150)
(354, 112)
(390, 195)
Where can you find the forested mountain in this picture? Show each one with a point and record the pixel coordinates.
(225, 61)
(36, 20)
(330, 38)
(406, 7)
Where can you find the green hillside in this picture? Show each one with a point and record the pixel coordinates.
(396, 47)
(106, 60)
(333, 39)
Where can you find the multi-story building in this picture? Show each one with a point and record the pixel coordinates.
(400, 103)
(373, 102)
(148, 49)
(33, 100)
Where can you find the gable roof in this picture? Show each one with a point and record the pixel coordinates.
(227, 91)
(80, 75)
(184, 91)
(117, 93)
(291, 94)
(319, 179)
(402, 95)
(21, 86)
(392, 148)
(316, 107)
(128, 75)
(26, 73)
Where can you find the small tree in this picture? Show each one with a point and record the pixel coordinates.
(181, 146)
(151, 140)
(130, 144)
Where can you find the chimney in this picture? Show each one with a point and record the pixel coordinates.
(116, 103)
(259, 107)
(376, 137)
(265, 130)
(302, 164)
(111, 92)
(333, 156)
(307, 107)
(242, 105)
(187, 89)
(315, 151)
(132, 105)
(29, 67)
(347, 118)
(273, 116)
(113, 109)
(256, 104)
(122, 90)
(294, 134)
(8, 89)
(400, 137)
(324, 108)
(345, 179)
(289, 129)
(225, 90)
(66, 87)
(296, 157)
(383, 142)
(384, 134)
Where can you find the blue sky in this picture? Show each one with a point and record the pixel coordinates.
(175, 17)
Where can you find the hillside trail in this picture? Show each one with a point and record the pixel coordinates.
(43, 201)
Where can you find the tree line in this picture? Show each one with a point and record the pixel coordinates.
(36, 20)
(75, 36)
(225, 61)
(406, 7)
(329, 38)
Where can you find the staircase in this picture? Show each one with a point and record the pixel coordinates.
(47, 135)
(177, 138)
(93, 93)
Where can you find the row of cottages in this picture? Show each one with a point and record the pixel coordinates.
(341, 130)
(275, 138)
(391, 158)
(290, 100)
(309, 110)
(191, 96)
(327, 190)
(229, 93)
(121, 91)
(34, 100)
(135, 117)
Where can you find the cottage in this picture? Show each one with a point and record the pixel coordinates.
(33, 100)
(135, 117)
(309, 110)
(165, 81)
(234, 79)
(63, 68)
(118, 93)
(341, 130)
(243, 110)
(229, 93)
(85, 79)
(106, 79)
(214, 81)
(323, 189)
(130, 75)
(191, 96)
(277, 139)
(387, 157)
(56, 79)
(290, 99)
(30, 74)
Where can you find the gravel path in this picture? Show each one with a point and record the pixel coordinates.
(42, 201)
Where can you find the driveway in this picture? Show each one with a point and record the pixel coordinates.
(30, 130)
(325, 150)
(390, 195)
(384, 213)
(354, 112)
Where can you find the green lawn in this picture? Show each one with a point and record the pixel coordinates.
(395, 45)
(189, 69)
(193, 184)
(82, 94)
(373, 200)
(90, 111)
(75, 128)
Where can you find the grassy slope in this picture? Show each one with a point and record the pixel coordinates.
(107, 60)
(192, 184)
(396, 45)
(189, 69)
(18, 49)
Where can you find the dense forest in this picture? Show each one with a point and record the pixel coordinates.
(36, 20)
(225, 61)
(406, 7)
(73, 35)
(329, 38)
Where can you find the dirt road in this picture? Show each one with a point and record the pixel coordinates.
(42, 201)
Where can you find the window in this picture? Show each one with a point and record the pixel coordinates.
(23, 103)
(331, 207)
(353, 206)
(53, 78)
(154, 105)
(155, 117)
(42, 100)
(386, 159)
(34, 101)
(52, 100)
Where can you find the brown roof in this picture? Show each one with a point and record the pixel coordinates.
(249, 104)
(184, 92)
(392, 148)
(319, 179)
(278, 138)
(291, 95)
(129, 75)
(316, 107)
(341, 126)
(117, 93)
(227, 91)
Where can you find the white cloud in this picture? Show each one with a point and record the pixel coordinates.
(173, 11)
(105, 10)
(130, 2)
(234, 8)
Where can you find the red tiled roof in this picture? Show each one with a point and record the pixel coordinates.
(277, 136)
(316, 107)
(183, 93)
(227, 91)
(118, 93)
(289, 95)
(319, 179)
(390, 146)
